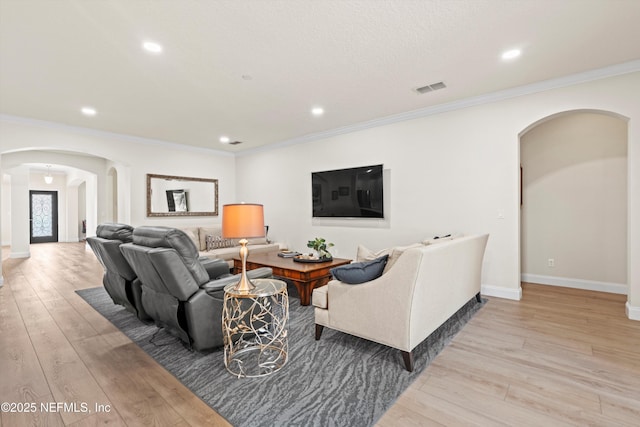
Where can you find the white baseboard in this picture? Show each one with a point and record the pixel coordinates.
(633, 313)
(502, 292)
(566, 282)
(20, 255)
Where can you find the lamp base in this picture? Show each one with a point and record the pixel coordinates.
(244, 285)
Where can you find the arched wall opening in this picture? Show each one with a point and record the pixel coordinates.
(574, 201)
(88, 184)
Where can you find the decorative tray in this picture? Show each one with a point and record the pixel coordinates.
(305, 258)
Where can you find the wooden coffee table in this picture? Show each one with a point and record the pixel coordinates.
(304, 276)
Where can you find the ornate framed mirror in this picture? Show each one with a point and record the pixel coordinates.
(169, 195)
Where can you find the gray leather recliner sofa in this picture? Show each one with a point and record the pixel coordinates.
(119, 280)
(180, 291)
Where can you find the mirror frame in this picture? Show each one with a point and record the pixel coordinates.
(181, 178)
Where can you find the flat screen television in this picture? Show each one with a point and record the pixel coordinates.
(348, 193)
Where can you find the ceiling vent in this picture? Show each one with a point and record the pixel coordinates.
(235, 143)
(431, 87)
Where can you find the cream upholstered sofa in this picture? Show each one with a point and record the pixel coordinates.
(426, 285)
(224, 249)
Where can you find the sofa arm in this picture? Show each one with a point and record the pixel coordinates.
(216, 268)
(212, 287)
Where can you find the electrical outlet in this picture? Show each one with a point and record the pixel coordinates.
(551, 262)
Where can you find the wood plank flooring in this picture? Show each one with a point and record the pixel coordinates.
(558, 357)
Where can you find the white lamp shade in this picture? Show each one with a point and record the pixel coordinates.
(242, 221)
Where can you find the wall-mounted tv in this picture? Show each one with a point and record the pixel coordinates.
(348, 193)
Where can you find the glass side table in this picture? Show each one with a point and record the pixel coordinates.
(254, 328)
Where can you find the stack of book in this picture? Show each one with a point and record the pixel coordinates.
(288, 254)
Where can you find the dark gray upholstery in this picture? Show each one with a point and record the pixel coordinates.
(165, 237)
(180, 291)
(120, 281)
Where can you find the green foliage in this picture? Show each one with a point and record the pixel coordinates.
(320, 245)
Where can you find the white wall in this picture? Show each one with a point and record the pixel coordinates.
(5, 205)
(19, 204)
(75, 179)
(575, 200)
(82, 208)
(455, 171)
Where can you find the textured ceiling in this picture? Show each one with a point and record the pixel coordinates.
(360, 60)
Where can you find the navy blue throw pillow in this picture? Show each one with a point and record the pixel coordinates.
(360, 272)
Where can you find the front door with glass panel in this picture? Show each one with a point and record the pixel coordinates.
(43, 210)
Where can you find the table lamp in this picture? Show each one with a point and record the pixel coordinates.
(243, 221)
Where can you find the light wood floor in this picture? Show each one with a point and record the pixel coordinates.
(558, 357)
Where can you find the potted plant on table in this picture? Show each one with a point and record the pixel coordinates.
(321, 246)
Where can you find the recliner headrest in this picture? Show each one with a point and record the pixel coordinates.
(114, 231)
(165, 237)
(172, 238)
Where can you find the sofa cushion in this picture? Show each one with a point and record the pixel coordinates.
(360, 272)
(364, 254)
(222, 253)
(396, 252)
(229, 253)
(319, 297)
(261, 249)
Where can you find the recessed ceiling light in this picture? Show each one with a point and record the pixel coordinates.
(225, 139)
(89, 111)
(152, 47)
(511, 54)
(317, 111)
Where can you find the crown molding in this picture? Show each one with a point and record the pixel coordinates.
(110, 135)
(560, 82)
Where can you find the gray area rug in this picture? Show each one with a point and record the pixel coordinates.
(340, 380)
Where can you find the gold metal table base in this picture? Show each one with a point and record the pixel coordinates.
(254, 326)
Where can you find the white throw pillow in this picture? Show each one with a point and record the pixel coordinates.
(395, 254)
(365, 254)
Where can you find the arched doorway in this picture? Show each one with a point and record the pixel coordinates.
(83, 186)
(573, 221)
